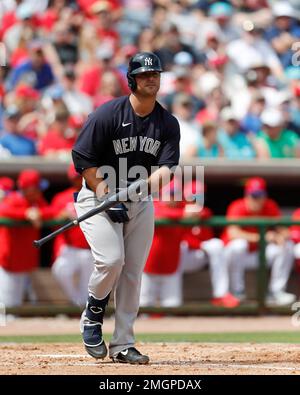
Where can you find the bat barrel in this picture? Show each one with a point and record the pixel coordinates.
(40, 242)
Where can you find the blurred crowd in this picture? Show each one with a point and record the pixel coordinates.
(231, 71)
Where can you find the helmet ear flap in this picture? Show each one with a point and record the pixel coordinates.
(131, 82)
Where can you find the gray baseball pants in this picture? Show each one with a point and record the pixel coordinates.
(120, 252)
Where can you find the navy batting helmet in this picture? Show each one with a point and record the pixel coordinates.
(141, 63)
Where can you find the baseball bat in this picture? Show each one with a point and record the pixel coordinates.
(137, 188)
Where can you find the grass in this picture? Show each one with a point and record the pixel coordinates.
(239, 337)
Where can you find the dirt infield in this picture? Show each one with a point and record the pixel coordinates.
(166, 358)
(62, 325)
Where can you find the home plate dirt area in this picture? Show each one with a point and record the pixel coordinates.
(22, 350)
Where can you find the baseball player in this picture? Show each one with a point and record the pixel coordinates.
(162, 279)
(200, 248)
(242, 244)
(123, 135)
(72, 252)
(18, 257)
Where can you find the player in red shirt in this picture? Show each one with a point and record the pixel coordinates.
(242, 244)
(200, 248)
(71, 250)
(162, 279)
(295, 236)
(18, 257)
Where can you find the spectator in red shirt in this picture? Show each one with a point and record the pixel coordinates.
(18, 257)
(215, 100)
(162, 279)
(59, 140)
(31, 121)
(242, 244)
(200, 248)
(110, 88)
(90, 79)
(86, 6)
(73, 263)
(51, 15)
(8, 19)
(26, 98)
(75, 123)
(107, 35)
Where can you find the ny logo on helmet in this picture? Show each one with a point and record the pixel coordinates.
(148, 62)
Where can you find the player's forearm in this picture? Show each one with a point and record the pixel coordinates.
(159, 178)
(282, 233)
(94, 180)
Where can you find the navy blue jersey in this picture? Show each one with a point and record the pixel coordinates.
(113, 131)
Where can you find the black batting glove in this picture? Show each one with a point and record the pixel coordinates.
(118, 213)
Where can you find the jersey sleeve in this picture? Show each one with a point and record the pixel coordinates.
(295, 229)
(169, 152)
(11, 212)
(235, 210)
(273, 209)
(91, 142)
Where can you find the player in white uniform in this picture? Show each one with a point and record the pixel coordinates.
(241, 249)
(200, 248)
(73, 265)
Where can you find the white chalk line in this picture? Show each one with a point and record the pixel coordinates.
(32, 365)
(62, 356)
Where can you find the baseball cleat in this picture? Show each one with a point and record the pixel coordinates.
(280, 299)
(131, 355)
(92, 340)
(228, 301)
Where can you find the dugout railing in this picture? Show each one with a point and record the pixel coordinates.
(216, 221)
(262, 224)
